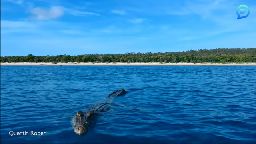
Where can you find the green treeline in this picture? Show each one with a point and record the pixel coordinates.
(221, 55)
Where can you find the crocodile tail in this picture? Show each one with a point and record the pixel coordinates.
(116, 93)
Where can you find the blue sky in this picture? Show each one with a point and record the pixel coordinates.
(54, 27)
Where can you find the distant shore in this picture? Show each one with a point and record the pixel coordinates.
(125, 64)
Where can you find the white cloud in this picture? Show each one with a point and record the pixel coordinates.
(202, 8)
(47, 14)
(119, 12)
(7, 24)
(19, 2)
(137, 20)
(55, 12)
(77, 12)
(10, 27)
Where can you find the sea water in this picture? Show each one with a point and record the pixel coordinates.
(164, 104)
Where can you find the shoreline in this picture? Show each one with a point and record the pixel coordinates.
(126, 64)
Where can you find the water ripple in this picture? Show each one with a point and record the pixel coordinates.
(165, 104)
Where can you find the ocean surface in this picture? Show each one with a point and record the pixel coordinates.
(164, 104)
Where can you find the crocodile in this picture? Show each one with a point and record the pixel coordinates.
(80, 121)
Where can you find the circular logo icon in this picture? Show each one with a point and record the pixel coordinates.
(242, 11)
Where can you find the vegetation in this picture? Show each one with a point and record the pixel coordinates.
(223, 55)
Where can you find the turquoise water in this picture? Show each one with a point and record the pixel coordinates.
(164, 104)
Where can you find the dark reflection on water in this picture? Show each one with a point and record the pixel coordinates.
(165, 104)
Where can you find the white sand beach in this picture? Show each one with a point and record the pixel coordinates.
(126, 64)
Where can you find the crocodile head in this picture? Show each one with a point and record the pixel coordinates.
(80, 123)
